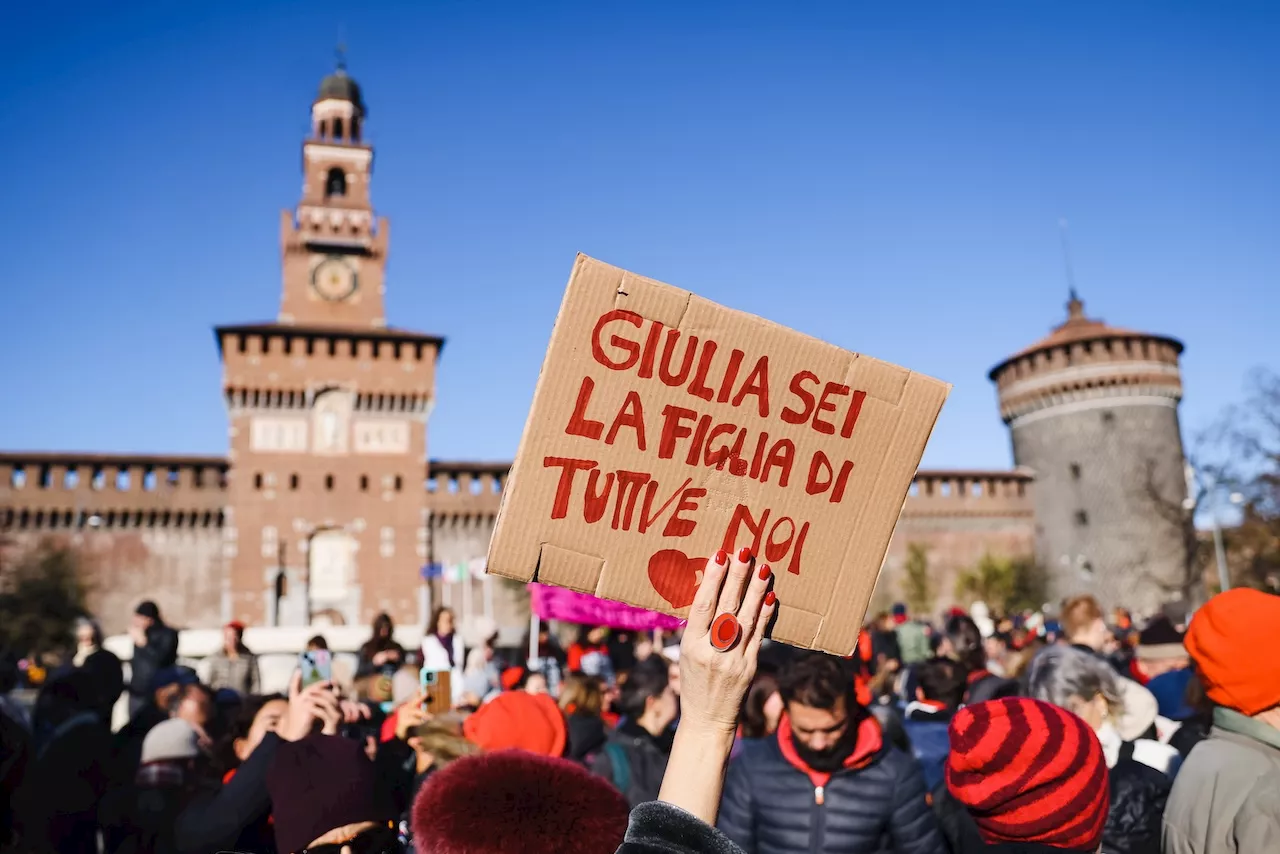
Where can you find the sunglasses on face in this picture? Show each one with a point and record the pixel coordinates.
(384, 839)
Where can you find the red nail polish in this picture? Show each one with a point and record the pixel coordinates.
(770, 598)
(744, 555)
(765, 572)
(721, 558)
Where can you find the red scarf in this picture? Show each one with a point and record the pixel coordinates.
(868, 744)
(1135, 671)
(977, 675)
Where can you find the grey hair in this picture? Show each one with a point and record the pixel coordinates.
(81, 622)
(1068, 677)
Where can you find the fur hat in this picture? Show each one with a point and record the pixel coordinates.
(516, 801)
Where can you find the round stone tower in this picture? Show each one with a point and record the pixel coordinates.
(1093, 412)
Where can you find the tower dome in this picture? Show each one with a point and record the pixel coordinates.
(338, 112)
(1092, 412)
(340, 86)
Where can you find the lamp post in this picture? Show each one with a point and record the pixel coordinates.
(1210, 485)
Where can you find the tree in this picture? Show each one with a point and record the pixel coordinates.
(1005, 584)
(1247, 440)
(917, 585)
(1178, 516)
(42, 596)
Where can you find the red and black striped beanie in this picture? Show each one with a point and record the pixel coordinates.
(1028, 771)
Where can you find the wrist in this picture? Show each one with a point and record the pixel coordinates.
(705, 732)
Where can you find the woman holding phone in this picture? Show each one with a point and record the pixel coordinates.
(442, 649)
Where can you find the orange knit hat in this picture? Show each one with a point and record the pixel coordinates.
(530, 722)
(1232, 640)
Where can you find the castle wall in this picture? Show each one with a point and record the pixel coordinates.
(161, 536)
(959, 517)
(146, 527)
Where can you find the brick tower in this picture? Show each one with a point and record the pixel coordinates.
(1093, 413)
(328, 408)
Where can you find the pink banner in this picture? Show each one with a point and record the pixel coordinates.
(569, 606)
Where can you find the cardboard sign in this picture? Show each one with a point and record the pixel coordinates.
(665, 427)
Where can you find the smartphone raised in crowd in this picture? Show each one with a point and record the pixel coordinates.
(437, 690)
(316, 666)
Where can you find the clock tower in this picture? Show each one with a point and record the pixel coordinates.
(333, 249)
(326, 505)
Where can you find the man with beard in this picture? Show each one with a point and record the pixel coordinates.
(827, 781)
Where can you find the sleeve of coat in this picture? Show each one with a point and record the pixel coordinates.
(661, 828)
(737, 808)
(166, 642)
(1257, 824)
(914, 825)
(255, 677)
(216, 824)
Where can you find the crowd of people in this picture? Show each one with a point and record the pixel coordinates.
(969, 733)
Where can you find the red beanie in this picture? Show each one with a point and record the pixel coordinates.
(1029, 771)
(1232, 640)
(515, 801)
(530, 722)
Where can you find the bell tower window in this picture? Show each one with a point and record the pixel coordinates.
(337, 129)
(336, 183)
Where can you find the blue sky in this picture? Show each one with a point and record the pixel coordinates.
(888, 177)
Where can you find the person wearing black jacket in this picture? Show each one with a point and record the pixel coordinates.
(69, 768)
(964, 644)
(634, 756)
(227, 816)
(155, 647)
(827, 781)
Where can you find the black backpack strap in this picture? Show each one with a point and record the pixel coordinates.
(1126, 751)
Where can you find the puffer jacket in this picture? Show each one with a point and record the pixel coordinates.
(774, 804)
(1138, 796)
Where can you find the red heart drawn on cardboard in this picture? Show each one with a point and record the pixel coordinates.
(676, 576)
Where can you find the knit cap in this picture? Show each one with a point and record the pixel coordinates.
(1029, 772)
(1233, 641)
(1160, 639)
(171, 740)
(531, 722)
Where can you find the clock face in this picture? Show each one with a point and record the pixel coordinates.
(334, 279)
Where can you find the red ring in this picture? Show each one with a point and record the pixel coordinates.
(725, 631)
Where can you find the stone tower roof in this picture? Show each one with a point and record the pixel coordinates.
(1086, 357)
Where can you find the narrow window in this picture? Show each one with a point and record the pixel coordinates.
(328, 482)
(336, 183)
